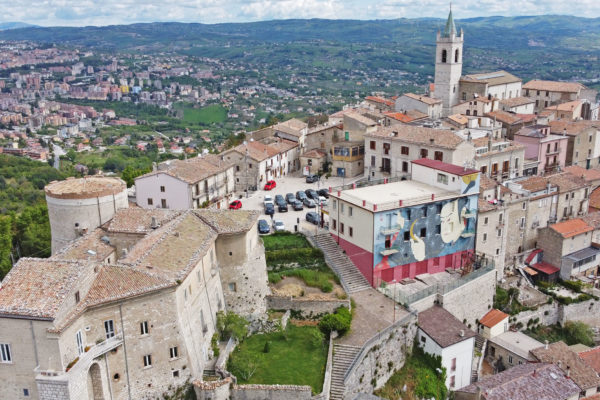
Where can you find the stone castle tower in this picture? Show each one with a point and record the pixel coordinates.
(448, 65)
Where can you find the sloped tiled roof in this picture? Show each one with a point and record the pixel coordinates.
(517, 101)
(423, 99)
(491, 78)
(191, 170)
(553, 86)
(592, 358)
(582, 374)
(88, 247)
(571, 227)
(492, 318)
(444, 138)
(525, 382)
(442, 166)
(443, 327)
(138, 220)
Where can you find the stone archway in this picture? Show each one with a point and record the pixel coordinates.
(95, 391)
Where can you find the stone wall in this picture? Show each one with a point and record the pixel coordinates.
(214, 390)
(324, 395)
(586, 311)
(380, 357)
(270, 392)
(52, 390)
(546, 313)
(471, 301)
(308, 307)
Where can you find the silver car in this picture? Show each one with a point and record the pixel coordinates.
(278, 225)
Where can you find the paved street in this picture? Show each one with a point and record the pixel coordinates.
(290, 184)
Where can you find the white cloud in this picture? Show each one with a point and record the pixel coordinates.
(107, 12)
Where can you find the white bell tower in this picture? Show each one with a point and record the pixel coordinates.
(448, 65)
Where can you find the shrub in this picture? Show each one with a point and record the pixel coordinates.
(572, 285)
(339, 321)
(214, 342)
(266, 349)
(231, 325)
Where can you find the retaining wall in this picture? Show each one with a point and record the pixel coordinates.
(308, 307)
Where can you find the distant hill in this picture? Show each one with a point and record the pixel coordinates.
(498, 32)
(14, 25)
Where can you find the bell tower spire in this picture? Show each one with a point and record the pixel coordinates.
(448, 64)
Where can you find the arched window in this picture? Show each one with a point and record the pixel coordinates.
(456, 56)
(444, 56)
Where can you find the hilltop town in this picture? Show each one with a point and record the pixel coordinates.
(211, 240)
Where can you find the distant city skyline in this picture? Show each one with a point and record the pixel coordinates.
(118, 12)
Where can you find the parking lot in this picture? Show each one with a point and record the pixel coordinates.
(290, 184)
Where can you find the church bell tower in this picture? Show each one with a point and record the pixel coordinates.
(448, 65)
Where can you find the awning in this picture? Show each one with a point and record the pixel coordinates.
(530, 271)
(545, 268)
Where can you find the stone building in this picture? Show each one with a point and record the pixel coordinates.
(448, 65)
(583, 147)
(128, 310)
(187, 184)
(552, 93)
(77, 206)
(424, 104)
(548, 150)
(390, 150)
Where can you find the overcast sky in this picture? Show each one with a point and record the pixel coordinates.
(109, 12)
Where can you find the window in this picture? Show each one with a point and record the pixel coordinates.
(26, 392)
(423, 232)
(484, 169)
(456, 55)
(452, 381)
(150, 201)
(547, 93)
(109, 328)
(442, 178)
(334, 224)
(425, 211)
(475, 112)
(423, 339)
(350, 231)
(342, 208)
(424, 153)
(464, 96)
(341, 227)
(388, 242)
(438, 229)
(5, 353)
(176, 374)
(526, 92)
(77, 297)
(497, 252)
(524, 206)
(386, 148)
(499, 232)
(510, 359)
(500, 217)
(79, 342)
(404, 166)
(404, 150)
(444, 56)
(484, 237)
(438, 155)
(334, 204)
(173, 352)
(349, 211)
(373, 161)
(162, 189)
(232, 287)
(147, 360)
(406, 236)
(485, 221)
(163, 203)
(372, 145)
(144, 328)
(453, 365)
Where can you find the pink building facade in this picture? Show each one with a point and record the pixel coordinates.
(548, 149)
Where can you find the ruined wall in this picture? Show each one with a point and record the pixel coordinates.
(308, 307)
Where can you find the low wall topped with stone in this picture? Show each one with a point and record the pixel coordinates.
(308, 308)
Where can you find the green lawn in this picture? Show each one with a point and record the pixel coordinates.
(211, 114)
(295, 361)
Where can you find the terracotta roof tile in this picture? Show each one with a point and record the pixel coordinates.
(380, 100)
(314, 153)
(444, 138)
(88, 247)
(582, 374)
(571, 227)
(525, 382)
(595, 199)
(517, 101)
(491, 78)
(592, 358)
(138, 220)
(545, 267)
(504, 117)
(554, 86)
(423, 99)
(572, 128)
(492, 318)
(590, 175)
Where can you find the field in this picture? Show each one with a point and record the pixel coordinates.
(293, 359)
(211, 114)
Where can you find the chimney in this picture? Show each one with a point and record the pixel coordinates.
(565, 131)
(498, 192)
(568, 371)
(546, 345)
(462, 333)
(534, 372)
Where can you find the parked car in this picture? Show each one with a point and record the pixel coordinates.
(310, 203)
(312, 178)
(268, 200)
(279, 198)
(278, 225)
(311, 193)
(235, 205)
(290, 198)
(313, 217)
(263, 226)
(282, 206)
(269, 209)
(323, 201)
(300, 195)
(324, 193)
(270, 185)
(298, 206)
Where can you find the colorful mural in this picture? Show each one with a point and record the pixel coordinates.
(413, 234)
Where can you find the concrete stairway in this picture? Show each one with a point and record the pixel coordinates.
(352, 280)
(343, 356)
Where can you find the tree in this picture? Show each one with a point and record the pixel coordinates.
(130, 173)
(243, 365)
(5, 245)
(231, 325)
(32, 232)
(578, 332)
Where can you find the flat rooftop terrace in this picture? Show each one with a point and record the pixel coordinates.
(387, 196)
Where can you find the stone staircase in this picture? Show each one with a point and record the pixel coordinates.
(352, 280)
(480, 344)
(343, 355)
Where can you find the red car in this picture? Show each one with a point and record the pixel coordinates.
(270, 185)
(235, 205)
